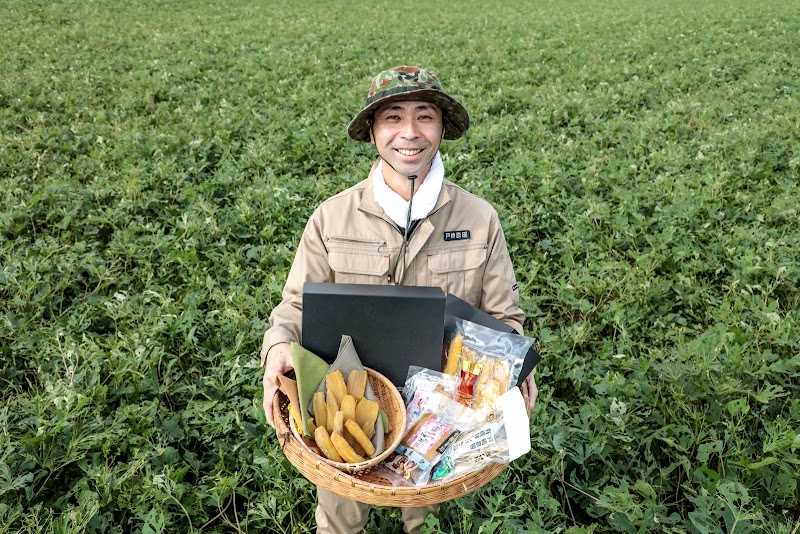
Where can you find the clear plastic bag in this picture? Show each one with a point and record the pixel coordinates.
(486, 362)
(427, 380)
(474, 449)
(440, 424)
(422, 402)
(416, 393)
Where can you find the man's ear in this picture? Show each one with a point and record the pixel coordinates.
(371, 135)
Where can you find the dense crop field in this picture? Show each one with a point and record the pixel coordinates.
(159, 159)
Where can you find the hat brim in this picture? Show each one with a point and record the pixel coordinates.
(455, 116)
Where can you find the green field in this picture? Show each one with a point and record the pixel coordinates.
(159, 159)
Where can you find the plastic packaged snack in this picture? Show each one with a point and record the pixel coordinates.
(503, 436)
(488, 361)
(473, 450)
(422, 402)
(454, 354)
(440, 424)
(495, 379)
(471, 365)
(426, 380)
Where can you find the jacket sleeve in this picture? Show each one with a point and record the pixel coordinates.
(310, 265)
(500, 295)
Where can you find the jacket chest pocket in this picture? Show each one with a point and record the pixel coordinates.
(459, 271)
(356, 261)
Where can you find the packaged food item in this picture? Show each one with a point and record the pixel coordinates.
(473, 450)
(421, 382)
(503, 436)
(425, 380)
(454, 354)
(495, 380)
(422, 402)
(440, 424)
(489, 362)
(414, 460)
(471, 366)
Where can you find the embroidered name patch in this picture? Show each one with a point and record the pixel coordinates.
(457, 235)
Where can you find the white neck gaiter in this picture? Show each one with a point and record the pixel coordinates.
(424, 198)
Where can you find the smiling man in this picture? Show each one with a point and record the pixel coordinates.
(405, 224)
(407, 136)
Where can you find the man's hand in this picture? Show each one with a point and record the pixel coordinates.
(533, 391)
(279, 361)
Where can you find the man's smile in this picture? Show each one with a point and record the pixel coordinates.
(409, 151)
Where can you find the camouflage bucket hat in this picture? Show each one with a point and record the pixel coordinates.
(410, 83)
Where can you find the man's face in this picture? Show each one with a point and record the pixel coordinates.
(407, 135)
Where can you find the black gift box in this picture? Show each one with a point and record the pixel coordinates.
(464, 310)
(392, 327)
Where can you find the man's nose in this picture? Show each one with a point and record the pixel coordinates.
(410, 129)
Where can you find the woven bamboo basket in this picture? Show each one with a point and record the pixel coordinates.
(366, 486)
(391, 402)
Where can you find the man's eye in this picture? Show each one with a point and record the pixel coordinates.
(425, 117)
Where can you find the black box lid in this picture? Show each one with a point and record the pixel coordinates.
(392, 327)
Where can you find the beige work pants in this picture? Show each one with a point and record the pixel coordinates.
(340, 515)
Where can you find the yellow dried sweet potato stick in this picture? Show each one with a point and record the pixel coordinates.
(357, 383)
(348, 407)
(366, 415)
(312, 426)
(320, 408)
(295, 419)
(335, 383)
(454, 355)
(338, 422)
(326, 445)
(345, 450)
(359, 435)
(332, 407)
(352, 442)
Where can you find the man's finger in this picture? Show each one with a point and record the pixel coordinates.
(533, 392)
(270, 389)
(268, 413)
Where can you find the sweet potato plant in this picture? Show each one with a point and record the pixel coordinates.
(159, 159)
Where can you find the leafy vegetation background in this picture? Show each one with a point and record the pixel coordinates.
(159, 159)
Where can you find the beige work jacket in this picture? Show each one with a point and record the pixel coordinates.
(459, 247)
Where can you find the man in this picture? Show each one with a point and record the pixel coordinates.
(405, 225)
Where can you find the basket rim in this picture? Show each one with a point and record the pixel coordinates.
(310, 455)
